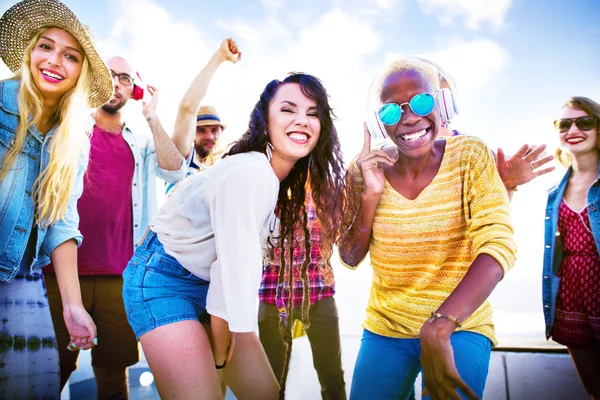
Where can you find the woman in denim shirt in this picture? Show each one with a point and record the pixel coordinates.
(571, 279)
(43, 156)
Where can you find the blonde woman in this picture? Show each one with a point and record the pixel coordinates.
(43, 156)
(571, 273)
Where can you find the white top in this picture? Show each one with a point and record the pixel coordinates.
(215, 224)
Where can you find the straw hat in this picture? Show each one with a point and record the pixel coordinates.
(209, 116)
(22, 21)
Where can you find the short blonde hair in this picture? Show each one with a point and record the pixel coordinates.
(402, 65)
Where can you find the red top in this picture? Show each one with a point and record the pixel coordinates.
(105, 207)
(577, 320)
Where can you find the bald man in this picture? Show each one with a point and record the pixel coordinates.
(118, 201)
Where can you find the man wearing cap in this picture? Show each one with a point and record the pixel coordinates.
(208, 130)
(118, 201)
(197, 129)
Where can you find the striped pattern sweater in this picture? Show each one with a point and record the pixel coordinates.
(421, 249)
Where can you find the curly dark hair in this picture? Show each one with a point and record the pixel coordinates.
(325, 167)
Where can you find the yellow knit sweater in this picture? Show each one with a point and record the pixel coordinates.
(422, 248)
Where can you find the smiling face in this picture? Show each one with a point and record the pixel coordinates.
(576, 141)
(414, 135)
(294, 125)
(55, 62)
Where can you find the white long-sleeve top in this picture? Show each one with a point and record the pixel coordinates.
(215, 224)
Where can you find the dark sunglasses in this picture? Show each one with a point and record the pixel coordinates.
(583, 123)
(421, 104)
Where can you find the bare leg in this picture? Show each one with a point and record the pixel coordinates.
(220, 371)
(181, 360)
(249, 374)
(111, 383)
(587, 363)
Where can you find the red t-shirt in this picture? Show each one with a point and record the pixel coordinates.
(105, 207)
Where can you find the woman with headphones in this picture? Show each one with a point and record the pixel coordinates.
(435, 217)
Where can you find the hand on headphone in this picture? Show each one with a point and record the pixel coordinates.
(230, 51)
(149, 108)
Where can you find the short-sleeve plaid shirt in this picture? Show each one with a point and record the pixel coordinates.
(320, 275)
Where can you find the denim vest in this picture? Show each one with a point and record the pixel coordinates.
(553, 248)
(17, 208)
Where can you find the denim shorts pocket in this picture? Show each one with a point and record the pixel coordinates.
(166, 265)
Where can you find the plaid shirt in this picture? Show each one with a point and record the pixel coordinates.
(320, 275)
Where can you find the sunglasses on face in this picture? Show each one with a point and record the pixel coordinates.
(421, 104)
(125, 79)
(583, 123)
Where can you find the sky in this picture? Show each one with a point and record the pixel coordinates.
(515, 63)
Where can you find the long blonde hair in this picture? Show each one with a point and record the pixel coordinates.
(54, 186)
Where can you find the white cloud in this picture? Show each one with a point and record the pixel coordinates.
(334, 47)
(477, 67)
(167, 53)
(473, 64)
(370, 5)
(273, 4)
(476, 12)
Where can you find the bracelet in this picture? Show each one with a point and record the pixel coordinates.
(435, 315)
(220, 366)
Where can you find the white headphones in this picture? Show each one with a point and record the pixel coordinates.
(447, 101)
(448, 104)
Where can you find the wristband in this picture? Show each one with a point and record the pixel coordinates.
(435, 315)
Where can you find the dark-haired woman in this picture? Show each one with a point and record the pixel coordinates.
(571, 280)
(203, 253)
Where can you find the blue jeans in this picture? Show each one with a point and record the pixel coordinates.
(386, 368)
(157, 290)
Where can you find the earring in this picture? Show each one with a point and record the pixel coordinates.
(269, 151)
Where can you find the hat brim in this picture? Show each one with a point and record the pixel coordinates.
(22, 21)
(211, 122)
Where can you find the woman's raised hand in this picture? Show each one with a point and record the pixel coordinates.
(371, 165)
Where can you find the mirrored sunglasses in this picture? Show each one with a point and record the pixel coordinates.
(421, 104)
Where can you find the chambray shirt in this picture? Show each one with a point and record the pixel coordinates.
(146, 170)
(17, 209)
(553, 249)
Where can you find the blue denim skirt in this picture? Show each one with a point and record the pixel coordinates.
(157, 290)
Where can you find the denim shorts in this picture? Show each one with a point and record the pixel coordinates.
(157, 290)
